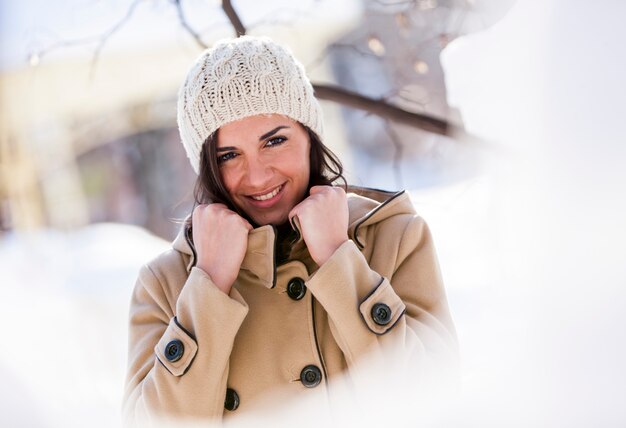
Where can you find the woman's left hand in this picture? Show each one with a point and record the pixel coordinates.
(323, 218)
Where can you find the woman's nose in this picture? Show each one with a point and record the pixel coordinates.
(258, 173)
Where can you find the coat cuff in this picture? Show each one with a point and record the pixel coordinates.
(176, 349)
(353, 294)
(382, 309)
(208, 316)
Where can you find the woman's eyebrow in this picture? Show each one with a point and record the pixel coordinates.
(225, 149)
(272, 132)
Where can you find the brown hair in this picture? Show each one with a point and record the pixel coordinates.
(325, 169)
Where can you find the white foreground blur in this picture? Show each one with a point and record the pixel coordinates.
(532, 253)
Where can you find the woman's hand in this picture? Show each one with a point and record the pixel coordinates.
(220, 237)
(323, 218)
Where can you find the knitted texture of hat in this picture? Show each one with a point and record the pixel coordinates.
(238, 78)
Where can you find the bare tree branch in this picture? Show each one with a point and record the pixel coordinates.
(383, 109)
(186, 26)
(109, 33)
(230, 12)
(100, 40)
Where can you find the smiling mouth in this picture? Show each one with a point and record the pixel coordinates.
(268, 195)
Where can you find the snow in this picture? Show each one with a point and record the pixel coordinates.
(65, 297)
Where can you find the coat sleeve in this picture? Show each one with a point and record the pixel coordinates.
(178, 362)
(393, 309)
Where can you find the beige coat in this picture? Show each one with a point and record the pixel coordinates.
(192, 348)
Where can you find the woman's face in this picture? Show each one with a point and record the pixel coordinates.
(264, 165)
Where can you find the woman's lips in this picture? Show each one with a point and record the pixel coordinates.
(267, 195)
(268, 199)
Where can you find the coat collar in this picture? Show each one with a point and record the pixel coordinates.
(369, 206)
(366, 206)
(258, 261)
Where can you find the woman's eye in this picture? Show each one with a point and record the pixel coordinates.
(226, 157)
(276, 141)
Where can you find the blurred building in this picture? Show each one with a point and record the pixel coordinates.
(83, 145)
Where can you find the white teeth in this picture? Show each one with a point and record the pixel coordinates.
(267, 195)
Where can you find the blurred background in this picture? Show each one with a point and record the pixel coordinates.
(502, 119)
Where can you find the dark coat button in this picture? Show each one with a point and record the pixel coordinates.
(381, 314)
(174, 350)
(296, 288)
(231, 402)
(311, 376)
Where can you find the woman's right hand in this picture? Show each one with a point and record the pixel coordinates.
(220, 238)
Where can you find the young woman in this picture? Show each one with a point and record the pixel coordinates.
(280, 279)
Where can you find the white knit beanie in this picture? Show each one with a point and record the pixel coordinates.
(238, 78)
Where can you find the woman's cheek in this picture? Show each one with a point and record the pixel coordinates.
(229, 178)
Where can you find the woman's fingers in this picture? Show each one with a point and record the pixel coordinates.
(221, 239)
(323, 218)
